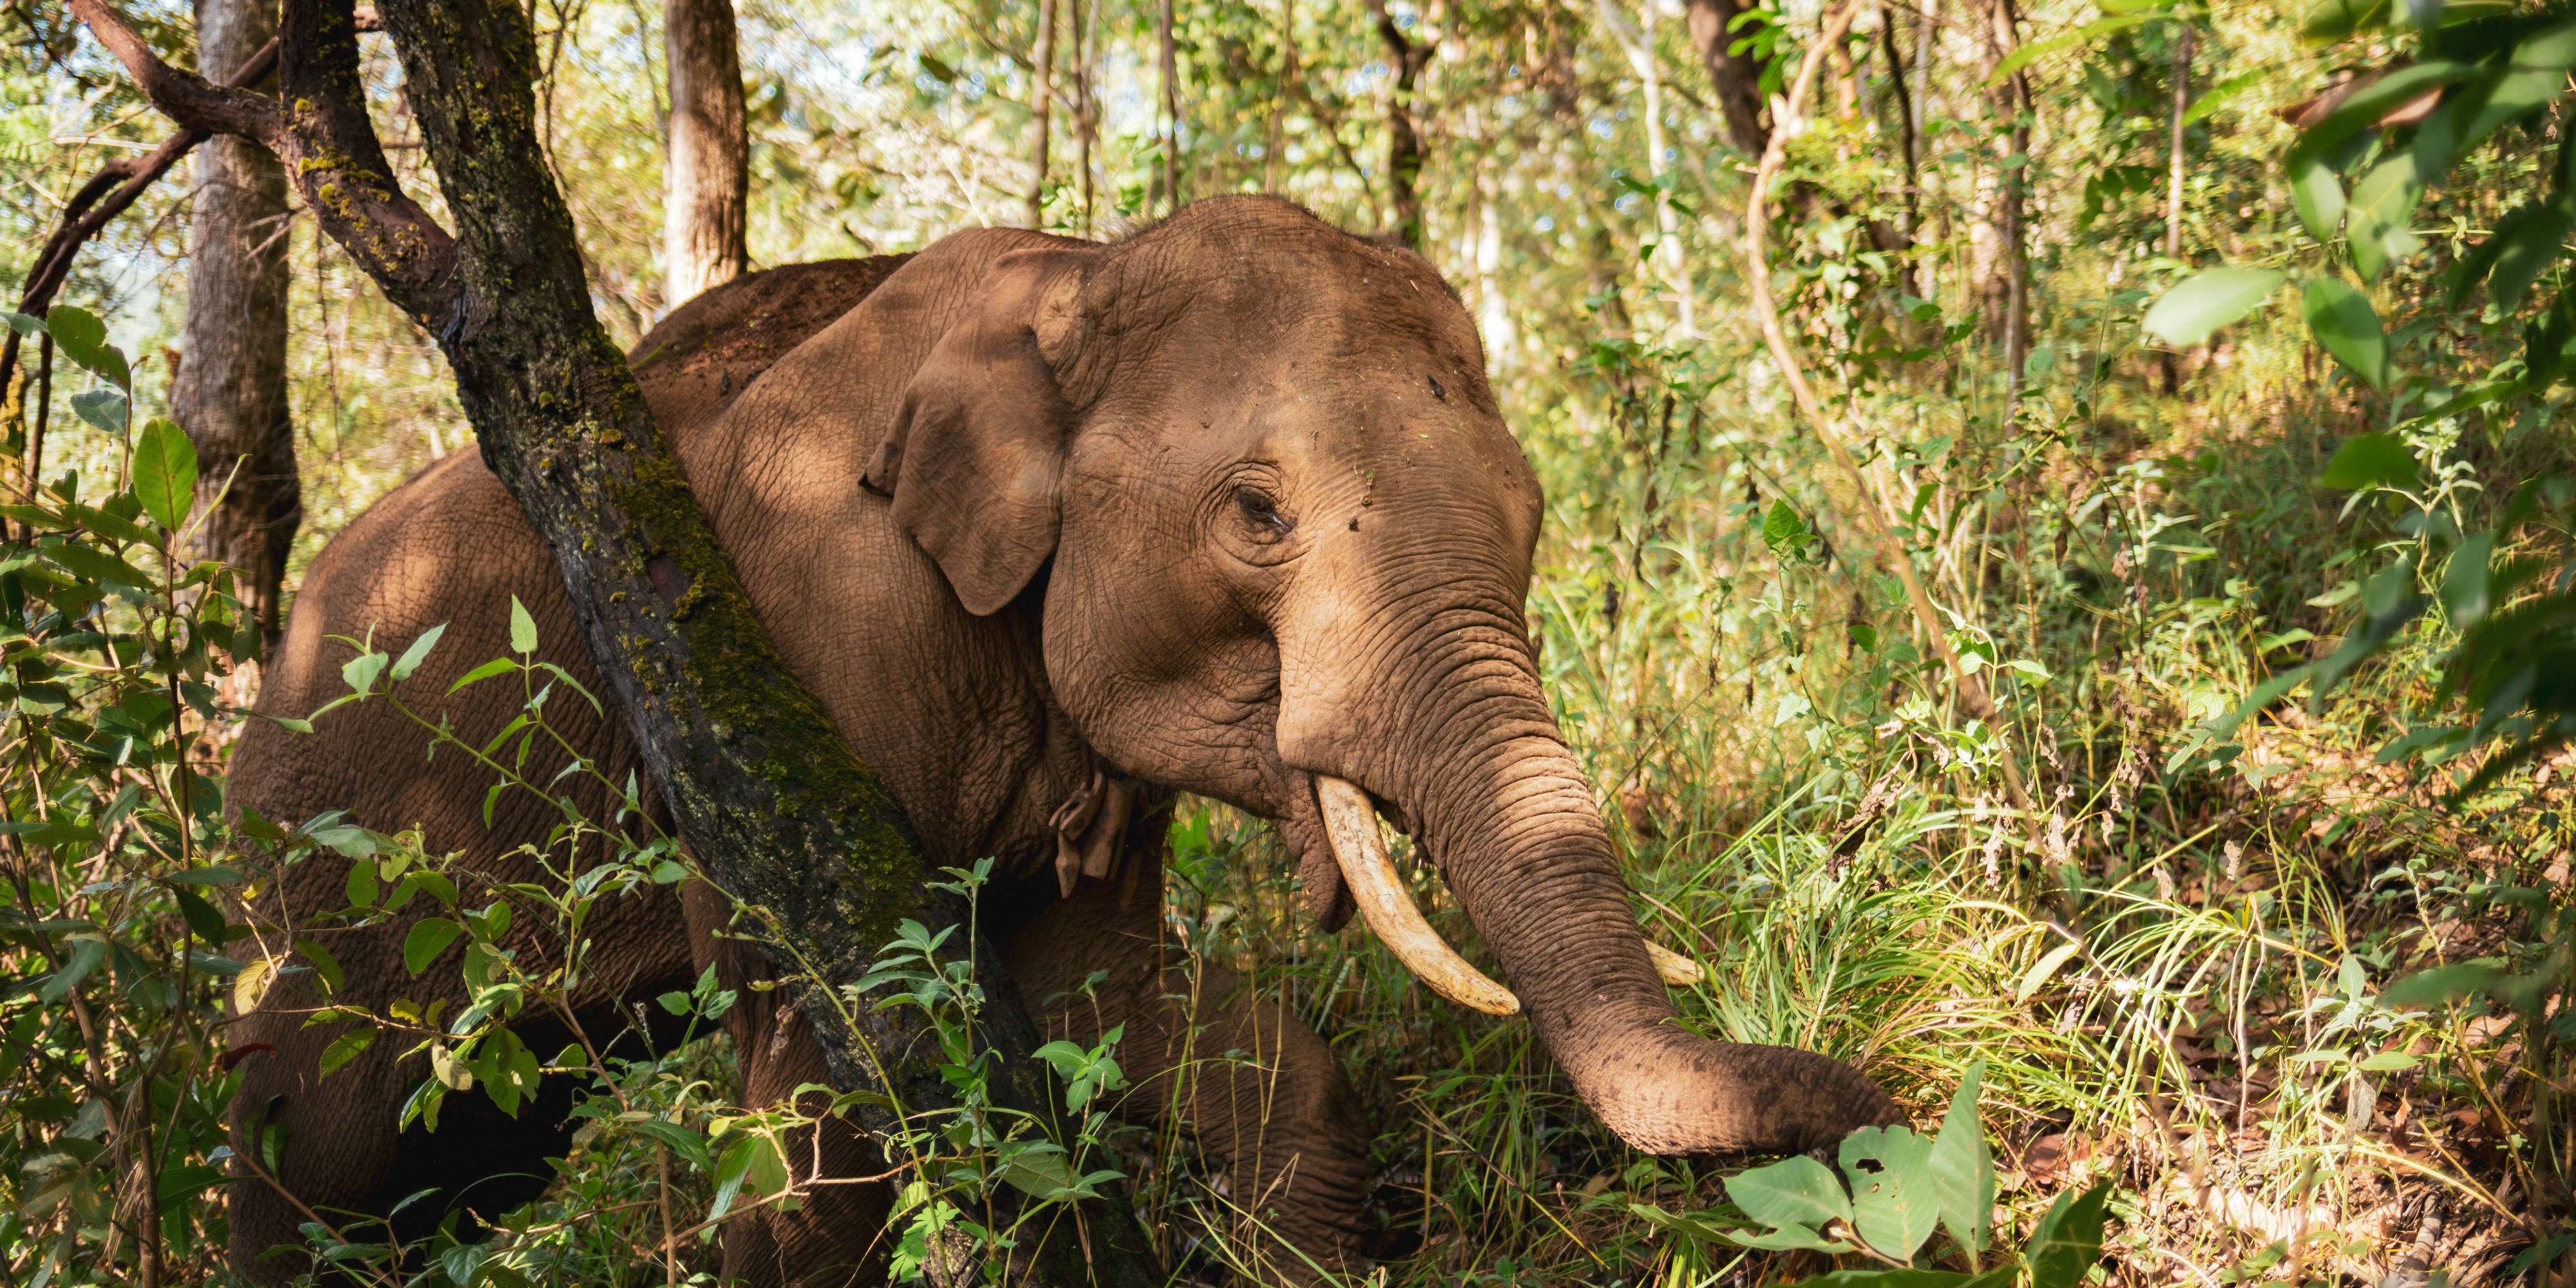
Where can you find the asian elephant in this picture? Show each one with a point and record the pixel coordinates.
(1056, 530)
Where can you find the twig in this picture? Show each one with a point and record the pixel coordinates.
(1758, 276)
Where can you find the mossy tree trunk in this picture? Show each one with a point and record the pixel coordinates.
(777, 809)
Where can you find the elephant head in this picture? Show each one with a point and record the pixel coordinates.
(1283, 539)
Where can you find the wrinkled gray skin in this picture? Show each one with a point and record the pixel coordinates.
(1216, 508)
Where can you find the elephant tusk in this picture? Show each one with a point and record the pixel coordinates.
(1350, 825)
(1677, 970)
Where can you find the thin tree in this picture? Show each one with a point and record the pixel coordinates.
(229, 391)
(1403, 142)
(1171, 111)
(1733, 75)
(707, 171)
(776, 808)
(1041, 111)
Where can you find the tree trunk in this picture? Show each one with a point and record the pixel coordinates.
(2181, 105)
(1042, 112)
(1171, 111)
(2012, 102)
(229, 392)
(777, 809)
(1735, 79)
(707, 176)
(1403, 143)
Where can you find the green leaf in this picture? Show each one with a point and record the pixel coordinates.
(2207, 301)
(104, 408)
(81, 337)
(418, 652)
(523, 628)
(165, 473)
(2467, 584)
(2343, 321)
(429, 937)
(2068, 1240)
(2047, 966)
(2221, 94)
(2536, 74)
(2380, 223)
(497, 666)
(2371, 460)
(2317, 191)
(2442, 984)
(201, 917)
(345, 1048)
(324, 964)
(1894, 1206)
(1963, 1171)
(362, 671)
(691, 1145)
(1796, 1238)
(1792, 1192)
(1784, 531)
(1889, 1278)
(2527, 250)
(30, 327)
(361, 886)
(2332, 20)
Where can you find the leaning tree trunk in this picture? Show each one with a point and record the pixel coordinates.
(707, 173)
(229, 392)
(778, 810)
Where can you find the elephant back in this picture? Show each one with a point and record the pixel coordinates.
(694, 362)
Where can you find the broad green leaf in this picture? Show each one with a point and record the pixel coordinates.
(30, 327)
(523, 628)
(2442, 984)
(2371, 460)
(104, 408)
(362, 671)
(2341, 318)
(1792, 1192)
(201, 917)
(1963, 1171)
(691, 1146)
(1784, 531)
(1888, 1278)
(418, 652)
(165, 473)
(2331, 20)
(1894, 1206)
(2207, 301)
(2380, 223)
(2527, 251)
(2467, 583)
(1796, 1238)
(81, 337)
(2068, 1240)
(2536, 74)
(345, 1048)
(85, 957)
(429, 937)
(2317, 191)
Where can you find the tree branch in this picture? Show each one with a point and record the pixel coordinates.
(181, 95)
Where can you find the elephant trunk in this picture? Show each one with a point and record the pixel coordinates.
(1463, 745)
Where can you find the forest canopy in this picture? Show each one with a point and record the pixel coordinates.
(2053, 566)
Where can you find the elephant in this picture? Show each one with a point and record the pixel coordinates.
(1055, 530)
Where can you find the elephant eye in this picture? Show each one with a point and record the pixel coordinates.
(1262, 512)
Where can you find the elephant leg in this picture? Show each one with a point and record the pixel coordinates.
(834, 1234)
(1259, 1089)
(339, 1152)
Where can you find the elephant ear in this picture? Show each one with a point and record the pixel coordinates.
(975, 460)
